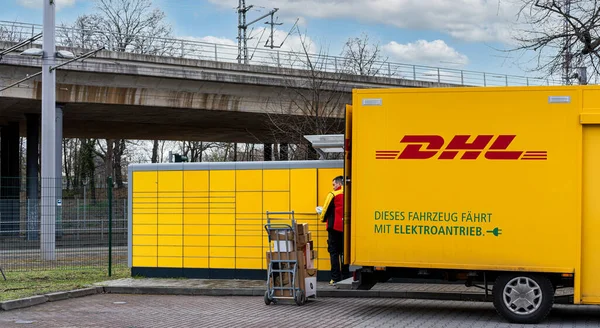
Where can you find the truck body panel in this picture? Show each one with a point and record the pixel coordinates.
(477, 179)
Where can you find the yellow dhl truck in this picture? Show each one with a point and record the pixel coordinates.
(491, 186)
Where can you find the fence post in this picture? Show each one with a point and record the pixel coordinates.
(109, 186)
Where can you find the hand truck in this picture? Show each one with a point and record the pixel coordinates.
(287, 235)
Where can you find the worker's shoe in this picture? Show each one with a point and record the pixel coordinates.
(332, 283)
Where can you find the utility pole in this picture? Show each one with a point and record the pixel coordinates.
(48, 121)
(567, 47)
(272, 37)
(243, 27)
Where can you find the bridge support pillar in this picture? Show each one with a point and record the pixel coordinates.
(33, 143)
(59, 175)
(268, 152)
(283, 152)
(10, 180)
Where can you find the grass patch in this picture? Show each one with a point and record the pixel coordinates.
(25, 284)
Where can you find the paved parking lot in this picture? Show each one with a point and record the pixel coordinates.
(108, 310)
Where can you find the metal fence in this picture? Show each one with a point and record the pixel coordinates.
(185, 48)
(90, 225)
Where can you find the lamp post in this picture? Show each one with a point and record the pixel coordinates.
(48, 121)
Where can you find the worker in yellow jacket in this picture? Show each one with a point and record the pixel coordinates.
(332, 213)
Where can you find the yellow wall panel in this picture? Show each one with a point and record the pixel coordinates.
(170, 219)
(144, 218)
(143, 261)
(170, 251)
(276, 180)
(228, 252)
(138, 240)
(222, 230)
(195, 219)
(222, 207)
(303, 190)
(145, 182)
(144, 204)
(276, 202)
(223, 181)
(244, 241)
(323, 265)
(170, 182)
(249, 252)
(170, 262)
(222, 219)
(222, 263)
(176, 241)
(170, 230)
(255, 264)
(195, 181)
(248, 204)
(255, 231)
(195, 251)
(195, 240)
(145, 251)
(195, 229)
(219, 241)
(195, 262)
(249, 180)
(145, 229)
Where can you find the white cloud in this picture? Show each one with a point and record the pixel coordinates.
(469, 20)
(423, 52)
(40, 4)
(212, 39)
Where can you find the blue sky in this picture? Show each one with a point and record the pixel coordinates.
(460, 34)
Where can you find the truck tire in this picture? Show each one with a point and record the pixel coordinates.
(523, 298)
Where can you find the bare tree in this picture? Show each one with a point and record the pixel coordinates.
(194, 150)
(313, 103)
(125, 26)
(361, 57)
(564, 34)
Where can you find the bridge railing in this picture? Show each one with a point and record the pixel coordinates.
(228, 52)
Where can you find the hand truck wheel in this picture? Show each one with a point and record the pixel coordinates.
(268, 299)
(300, 299)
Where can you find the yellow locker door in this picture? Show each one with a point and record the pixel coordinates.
(590, 261)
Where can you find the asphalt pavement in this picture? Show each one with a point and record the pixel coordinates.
(137, 311)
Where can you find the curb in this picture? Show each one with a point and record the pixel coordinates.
(336, 293)
(333, 293)
(50, 297)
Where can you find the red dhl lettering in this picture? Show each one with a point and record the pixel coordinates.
(428, 146)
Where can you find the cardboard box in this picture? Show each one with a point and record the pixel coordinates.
(283, 246)
(302, 228)
(311, 258)
(275, 235)
(305, 238)
(311, 286)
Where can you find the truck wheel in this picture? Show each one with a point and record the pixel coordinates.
(523, 298)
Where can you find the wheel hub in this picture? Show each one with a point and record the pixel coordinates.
(522, 295)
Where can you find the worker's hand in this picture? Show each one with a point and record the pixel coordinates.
(319, 210)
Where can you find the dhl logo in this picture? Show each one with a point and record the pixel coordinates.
(428, 146)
